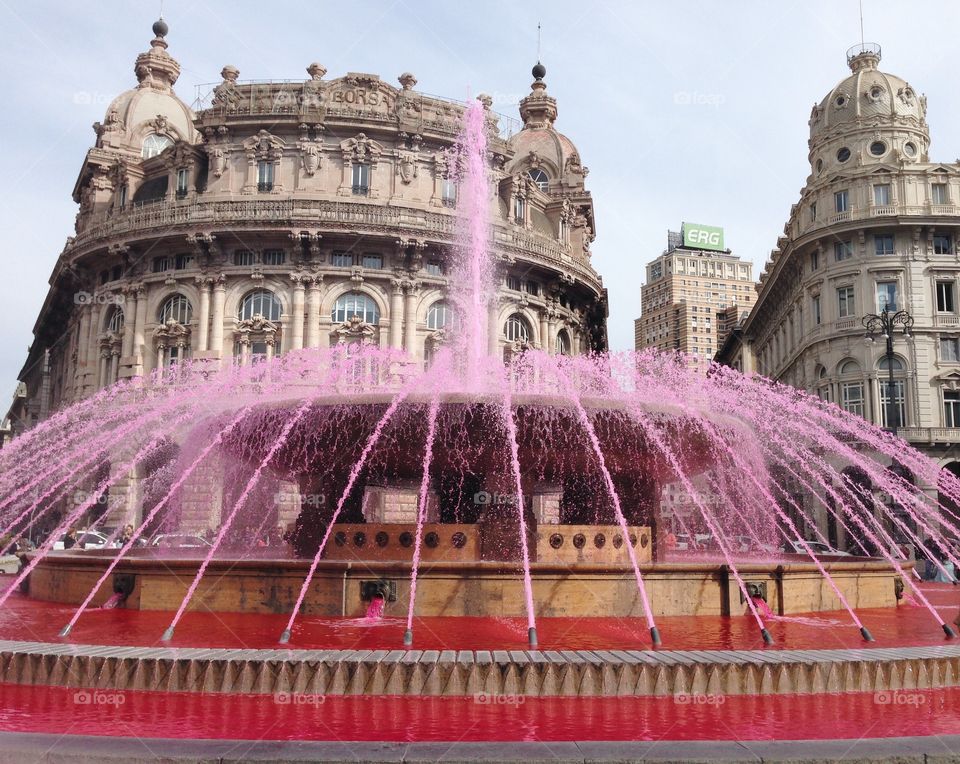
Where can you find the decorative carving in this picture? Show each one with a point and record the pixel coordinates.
(355, 331)
(407, 166)
(264, 145)
(310, 157)
(360, 148)
(226, 95)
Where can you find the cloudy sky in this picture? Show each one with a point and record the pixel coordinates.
(684, 110)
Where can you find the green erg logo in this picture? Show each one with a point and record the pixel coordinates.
(702, 236)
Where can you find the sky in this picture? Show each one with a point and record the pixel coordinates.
(682, 110)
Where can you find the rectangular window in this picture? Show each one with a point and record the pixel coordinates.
(264, 176)
(123, 197)
(342, 260)
(845, 302)
(116, 273)
(881, 195)
(161, 264)
(814, 260)
(883, 244)
(244, 257)
(435, 268)
(840, 201)
(372, 260)
(520, 209)
(940, 195)
(951, 408)
(945, 298)
(816, 309)
(182, 262)
(274, 257)
(532, 287)
(887, 296)
(899, 403)
(181, 183)
(448, 193)
(852, 397)
(361, 179)
(942, 245)
(513, 283)
(813, 212)
(950, 350)
(842, 250)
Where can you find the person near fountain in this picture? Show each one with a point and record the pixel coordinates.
(70, 540)
(127, 534)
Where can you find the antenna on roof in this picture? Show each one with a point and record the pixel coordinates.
(161, 8)
(862, 42)
(538, 41)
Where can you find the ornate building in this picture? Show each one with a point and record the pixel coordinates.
(877, 225)
(280, 216)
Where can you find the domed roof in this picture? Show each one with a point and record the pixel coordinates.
(868, 97)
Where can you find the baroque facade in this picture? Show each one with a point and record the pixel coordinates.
(279, 216)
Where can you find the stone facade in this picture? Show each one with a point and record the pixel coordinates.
(281, 216)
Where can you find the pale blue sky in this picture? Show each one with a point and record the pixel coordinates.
(682, 110)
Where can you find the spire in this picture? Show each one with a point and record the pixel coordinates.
(538, 110)
(156, 68)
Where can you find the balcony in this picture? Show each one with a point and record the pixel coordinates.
(946, 321)
(361, 190)
(264, 187)
(889, 210)
(845, 324)
(930, 435)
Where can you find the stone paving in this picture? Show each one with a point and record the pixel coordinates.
(465, 672)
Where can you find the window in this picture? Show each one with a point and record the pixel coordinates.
(532, 287)
(951, 408)
(154, 144)
(813, 212)
(116, 272)
(115, 324)
(264, 176)
(172, 356)
(849, 367)
(517, 329)
(520, 209)
(513, 283)
(540, 178)
(939, 194)
(852, 397)
(899, 403)
(176, 308)
(843, 154)
(123, 196)
(950, 349)
(372, 260)
(945, 299)
(942, 244)
(842, 250)
(260, 303)
(435, 268)
(182, 262)
(342, 259)
(563, 343)
(448, 193)
(878, 148)
(161, 264)
(814, 259)
(274, 257)
(887, 296)
(883, 244)
(841, 201)
(439, 316)
(815, 305)
(361, 179)
(845, 305)
(355, 304)
(244, 257)
(881, 195)
(181, 183)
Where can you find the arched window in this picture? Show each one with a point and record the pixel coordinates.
(885, 364)
(260, 303)
(563, 343)
(439, 316)
(539, 177)
(517, 329)
(115, 322)
(356, 304)
(177, 308)
(849, 367)
(155, 144)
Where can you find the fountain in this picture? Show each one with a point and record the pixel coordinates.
(526, 487)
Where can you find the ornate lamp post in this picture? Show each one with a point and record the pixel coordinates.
(884, 325)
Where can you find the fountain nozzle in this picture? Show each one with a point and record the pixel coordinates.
(655, 636)
(408, 638)
(167, 635)
(766, 636)
(951, 634)
(65, 631)
(532, 636)
(285, 637)
(867, 636)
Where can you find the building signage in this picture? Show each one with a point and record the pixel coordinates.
(702, 236)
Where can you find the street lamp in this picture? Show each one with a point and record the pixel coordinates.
(884, 325)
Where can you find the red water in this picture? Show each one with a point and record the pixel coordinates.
(304, 717)
(900, 626)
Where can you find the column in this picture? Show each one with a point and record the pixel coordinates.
(296, 326)
(396, 310)
(114, 366)
(216, 325)
(83, 331)
(410, 318)
(552, 333)
(313, 312)
(139, 327)
(203, 320)
(545, 345)
(493, 328)
(102, 374)
(129, 320)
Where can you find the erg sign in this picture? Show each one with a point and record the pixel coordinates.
(702, 236)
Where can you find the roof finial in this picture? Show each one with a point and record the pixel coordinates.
(539, 70)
